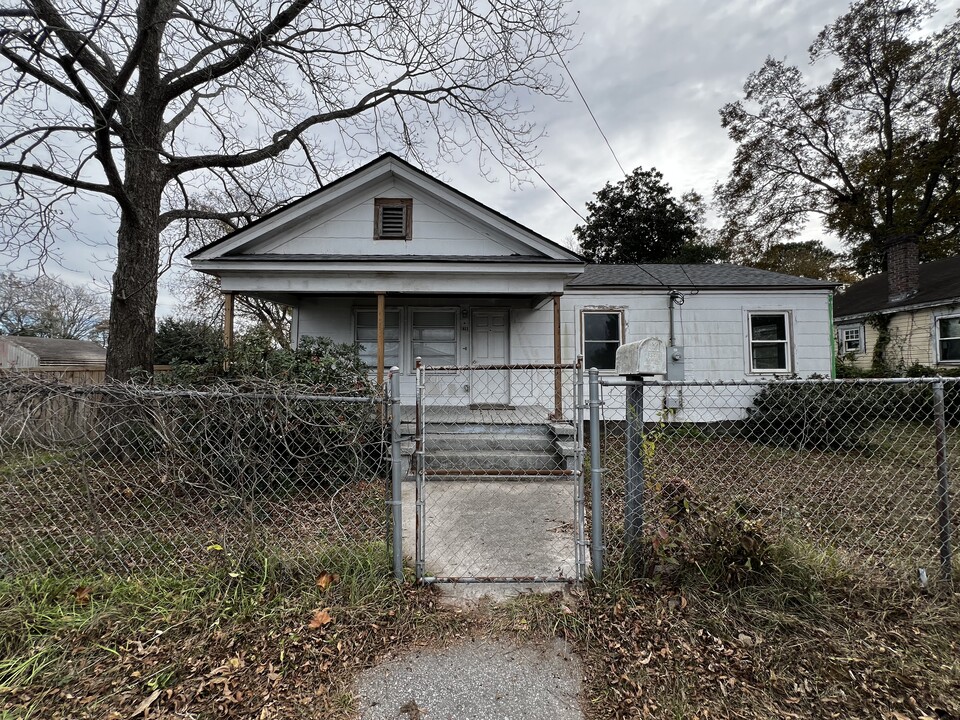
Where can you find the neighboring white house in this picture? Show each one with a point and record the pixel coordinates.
(460, 284)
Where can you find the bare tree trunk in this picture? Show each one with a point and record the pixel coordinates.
(133, 308)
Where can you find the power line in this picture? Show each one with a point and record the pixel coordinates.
(587, 106)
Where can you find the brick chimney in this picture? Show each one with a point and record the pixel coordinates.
(903, 269)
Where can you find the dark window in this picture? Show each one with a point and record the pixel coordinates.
(769, 343)
(601, 338)
(393, 219)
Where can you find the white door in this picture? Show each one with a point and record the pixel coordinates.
(489, 343)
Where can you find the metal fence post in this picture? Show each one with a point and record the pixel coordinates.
(396, 469)
(596, 506)
(419, 560)
(943, 482)
(580, 500)
(633, 516)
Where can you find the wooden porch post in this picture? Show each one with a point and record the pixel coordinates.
(557, 359)
(227, 326)
(381, 322)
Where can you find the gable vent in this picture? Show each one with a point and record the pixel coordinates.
(393, 219)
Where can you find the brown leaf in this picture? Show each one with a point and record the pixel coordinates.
(326, 579)
(81, 596)
(319, 618)
(145, 705)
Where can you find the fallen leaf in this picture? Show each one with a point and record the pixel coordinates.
(81, 595)
(147, 702)
(326, 579)
(319, 618)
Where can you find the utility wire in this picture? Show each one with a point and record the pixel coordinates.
(587, 106)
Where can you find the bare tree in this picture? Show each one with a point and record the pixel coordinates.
(48, 307)
(873, 152)
(149, 103)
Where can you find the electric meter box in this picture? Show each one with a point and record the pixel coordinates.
(643, 357)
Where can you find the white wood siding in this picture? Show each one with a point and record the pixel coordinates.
(711, 327)
(347, 229)
(14, 356)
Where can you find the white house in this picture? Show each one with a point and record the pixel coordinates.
(458, 284)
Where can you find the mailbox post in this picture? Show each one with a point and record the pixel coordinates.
(635, 361)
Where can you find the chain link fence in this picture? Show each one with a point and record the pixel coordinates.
(131, 478)
(498, 489)
(857, 475)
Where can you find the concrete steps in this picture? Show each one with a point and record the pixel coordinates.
(474, 451)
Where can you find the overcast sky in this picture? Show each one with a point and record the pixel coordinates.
(655, 74)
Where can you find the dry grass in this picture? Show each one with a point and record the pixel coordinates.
(870, 511)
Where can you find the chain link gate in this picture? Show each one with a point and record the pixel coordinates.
(499, 485)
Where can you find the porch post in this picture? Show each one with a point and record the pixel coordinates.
(227, 326)
(557, 359)
(381, 322)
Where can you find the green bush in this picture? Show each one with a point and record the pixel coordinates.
(818, 416)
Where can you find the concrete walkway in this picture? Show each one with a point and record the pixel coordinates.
(505, 528)
(475, 680)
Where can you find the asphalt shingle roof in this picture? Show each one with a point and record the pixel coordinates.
(939, 280)
(56, 351)
(690, 276)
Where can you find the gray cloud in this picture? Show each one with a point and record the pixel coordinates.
(655, 73)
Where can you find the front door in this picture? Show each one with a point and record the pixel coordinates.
(489, 342)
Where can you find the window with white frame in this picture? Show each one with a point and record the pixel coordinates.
(850, 339)
(948, 339)
(769, 342)
(602, 335)
(365, 335)
(433, 335)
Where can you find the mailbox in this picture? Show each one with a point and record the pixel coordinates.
(643, 357)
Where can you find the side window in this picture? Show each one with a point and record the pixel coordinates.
(365, 335)
(948, 339)
(602, 335)
(769, 342)
(850, 339)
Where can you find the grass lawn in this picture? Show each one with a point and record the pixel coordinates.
(785, 642)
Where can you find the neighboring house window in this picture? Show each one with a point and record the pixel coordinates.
(948, 339)
(393, 219)
(769, 342)
(851, 339)
(602, 335)
(365, 335)
(433, 336)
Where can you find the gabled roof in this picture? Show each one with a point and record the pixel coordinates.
(57, 351)
(676, 276)
(939, 283)
(385, 164)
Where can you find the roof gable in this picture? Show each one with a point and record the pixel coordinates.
(339, 219)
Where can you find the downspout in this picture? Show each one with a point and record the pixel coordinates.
(833, 338)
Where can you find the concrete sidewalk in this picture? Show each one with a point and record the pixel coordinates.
(475, 680)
